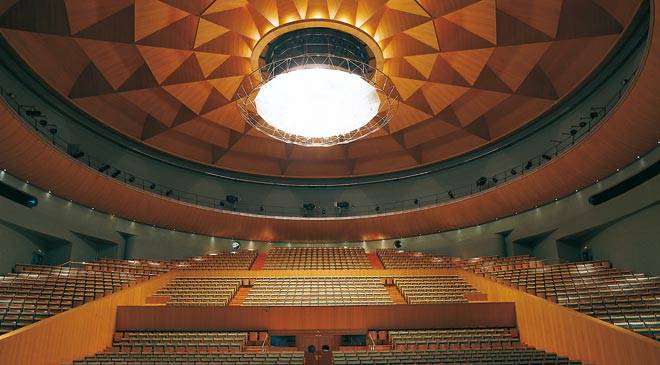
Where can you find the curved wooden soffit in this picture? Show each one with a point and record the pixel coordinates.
(632, 129)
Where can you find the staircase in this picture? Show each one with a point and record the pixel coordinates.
(259, 262)
(239, 296)
(375, 261)
(395, 294)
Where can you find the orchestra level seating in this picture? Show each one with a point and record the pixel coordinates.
(504, 356)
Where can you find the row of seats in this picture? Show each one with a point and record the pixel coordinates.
(472, 338)
(626, 299)
(399, 259)
(168, 342)
(317, 291)
(220, 358)
(494, 263)
(316, 258)
(434, 289)
(234, 260)
(36, 292)
(199, 291)
(518, 355)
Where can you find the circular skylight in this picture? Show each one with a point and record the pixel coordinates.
(317, 102)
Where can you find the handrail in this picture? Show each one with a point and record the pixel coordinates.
(263, 344)
(581, 128)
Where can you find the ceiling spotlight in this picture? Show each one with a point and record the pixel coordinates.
(318, 87)
(235, 245)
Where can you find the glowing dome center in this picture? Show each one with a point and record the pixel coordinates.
(317, 102)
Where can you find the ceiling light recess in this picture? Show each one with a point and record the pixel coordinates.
(317, 87)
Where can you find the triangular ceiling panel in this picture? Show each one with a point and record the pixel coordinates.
(83, 14)
(478, 18)
(584, 18)
(468, 63)
(541, 15)
(153, 15)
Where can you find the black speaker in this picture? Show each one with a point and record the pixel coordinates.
(18, 196)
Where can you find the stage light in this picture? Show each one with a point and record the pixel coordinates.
(169, 192)
(235, 245)
(308, 206)
(342, 205)
(528, 165)
(131, 179)
(398, 244)
(231, 199)
(152, 186)
(451, 194)
(104, 168)
(32, 113)
(513, 172)
(593, 115)
(116, 173)
(481, 181)
(547, 157)
(494, 179)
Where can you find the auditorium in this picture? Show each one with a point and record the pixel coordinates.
(329, 182)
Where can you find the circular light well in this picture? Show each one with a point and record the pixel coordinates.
(317, 102)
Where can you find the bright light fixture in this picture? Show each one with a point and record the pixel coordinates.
(317, 102)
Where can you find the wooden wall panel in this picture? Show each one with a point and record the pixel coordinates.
(552, 327)
(79, 332)
(293, 319)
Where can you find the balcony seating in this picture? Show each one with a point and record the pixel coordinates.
(399, 259)
(37, 292)
(200, 291)
(319, 291)
(454, 339)
(516, 355)
(434, 289)
(229, 358)
(316, 258)
(236, 260)
(622, 298)
(493, 263)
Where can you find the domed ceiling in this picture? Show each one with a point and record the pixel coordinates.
(166, 72)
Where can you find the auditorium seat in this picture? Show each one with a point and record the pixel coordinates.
(445, 339)
(317, 291)
(629, 300)
(399, 259)
(434, 289)
(234, 260)
(199, 290)
(316, 258)
(519, 355)
(35, 292)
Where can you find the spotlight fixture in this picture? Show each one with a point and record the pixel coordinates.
(416, 201)
(33, 113)
(513, 172)
(398, 244)
(450, 194)
(169, 192)
(528, 165)
(53, 130)
(494, 180)
(377, 208)
(231, 199)
(43, 122)
(593, 115)
(317, 87)
(116, 173)
(481, 181)
(573, 132)
(547, 157)
(582, 124)
(152, 186)
(261, 208)
(309, 206)
(104, 168)
(131, 179)
(235, 245)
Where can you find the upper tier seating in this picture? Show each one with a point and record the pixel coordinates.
(444, 339)
(319, 291)
(316, 258)
(494, 263)
(199, 291)
(398, 259)
(434, 289)
(516, 355)
(178, 341)
(37, 292)
(623, 298)
(235, 260)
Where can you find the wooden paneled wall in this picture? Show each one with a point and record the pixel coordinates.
(552, 327)
(300, 319)
(79, 332)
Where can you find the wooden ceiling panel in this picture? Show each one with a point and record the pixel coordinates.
(469, 70)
